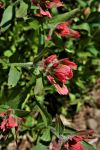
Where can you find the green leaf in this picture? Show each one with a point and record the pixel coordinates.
(83, 26)
(8, 53)
(46, 135)
(93, 51)
(88, 146)
(34, 24)
(45, 115)
(39, 146)
(80, 83)
(18, 112)
(22, 10)
(4, 28)
(38, 89)
(58, 126)
(21, 113)
(3, 108)
(7, 15)
(17, 96)
(62, 17)
(14, 76)
(82, 3)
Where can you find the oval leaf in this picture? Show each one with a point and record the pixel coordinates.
(62, 17)
(38, 89)
(14, 76)
(22, 10)
(7, 15)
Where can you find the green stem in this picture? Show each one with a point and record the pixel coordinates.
(28, 64)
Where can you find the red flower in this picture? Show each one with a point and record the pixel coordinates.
(73, 143)
(3, 114)
(54, 3)
(63, 30)
(58, 72)
(63, 72)
(50, 59)
(3, 125)
(51, 79)
(43, 13)
(11, 122)
(71, 64)
(43, 10)
(74, 33)
(61, 89)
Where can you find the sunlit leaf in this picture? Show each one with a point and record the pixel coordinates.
(14, 76)
(39, 146)
(7, 15)
(3, 108)
(62, 17)
(46, 135)
(22, 10)
(88, 146)
(38, 89)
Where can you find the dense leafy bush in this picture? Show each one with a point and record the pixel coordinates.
(31, 31)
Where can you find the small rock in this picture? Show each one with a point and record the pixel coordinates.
(97, 113)
(92, 124)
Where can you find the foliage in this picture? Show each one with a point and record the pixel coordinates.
(25, 41)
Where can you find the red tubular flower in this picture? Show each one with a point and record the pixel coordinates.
(51, 79)
(54, 3)
(43, 13)
(58, 72)
(43, 10)
(73, 143)
(69, 63)
(50, 59)
(62, 90)
(63, 30)
(3, 125)
(3, 114)
(63, 73)
(11, 122)
(74, 33)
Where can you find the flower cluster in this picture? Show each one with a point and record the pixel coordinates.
(73, 143)
(9, 121)
(63, 30)
(58, 72)
(45, 5)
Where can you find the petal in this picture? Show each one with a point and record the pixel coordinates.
(51, 79)
(2, 126)
(71, 64)
(61, 90)
(55, 3)
(50, 59)
(11, 122)
(63, 72)
(76, 146)
(3, 114)
(74, 33)
(45, 13)
(78, 138)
